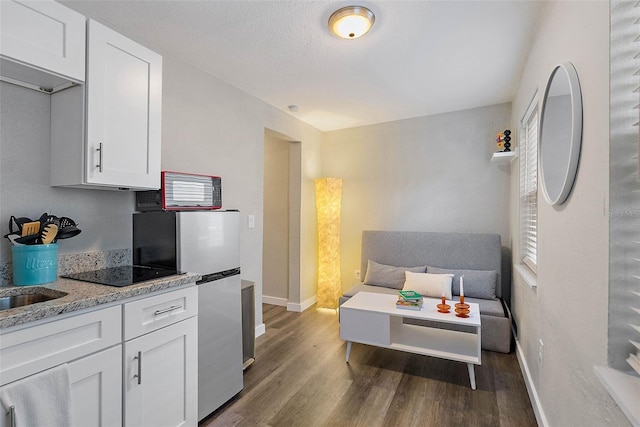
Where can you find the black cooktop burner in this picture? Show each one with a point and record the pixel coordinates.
(122, 276)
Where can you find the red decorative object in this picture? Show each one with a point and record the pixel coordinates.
(462, 309)
(443, 307)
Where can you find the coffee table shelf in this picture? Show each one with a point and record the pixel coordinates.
(452, 345)
(373, 319)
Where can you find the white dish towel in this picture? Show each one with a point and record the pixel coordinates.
(40, 400)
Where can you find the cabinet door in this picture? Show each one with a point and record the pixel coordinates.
(96, 389)
(45, 35)
(161, 377)
(124, 102)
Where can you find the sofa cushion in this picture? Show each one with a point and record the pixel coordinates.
(387, 275)
(477, 283)
(429, 285)
(488, 307)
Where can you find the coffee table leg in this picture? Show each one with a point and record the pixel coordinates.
(348, 350)
(472, 375)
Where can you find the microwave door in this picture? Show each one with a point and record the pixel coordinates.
(208, 242)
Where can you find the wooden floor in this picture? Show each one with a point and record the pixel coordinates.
(300, 378)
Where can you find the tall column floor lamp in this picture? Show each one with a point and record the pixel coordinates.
(328, 206)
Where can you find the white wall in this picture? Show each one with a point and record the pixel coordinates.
(275, 254)
(208, 127)
(211, 127)
(568, 312)
(429, 173)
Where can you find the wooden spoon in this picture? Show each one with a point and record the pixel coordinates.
(49, 233)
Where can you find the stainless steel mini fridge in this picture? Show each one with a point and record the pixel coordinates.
(207, 243)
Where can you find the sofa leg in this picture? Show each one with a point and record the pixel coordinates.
(348, 350)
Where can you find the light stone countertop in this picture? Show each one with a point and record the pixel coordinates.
(80, 295)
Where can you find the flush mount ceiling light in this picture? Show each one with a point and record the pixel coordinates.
(351, 22)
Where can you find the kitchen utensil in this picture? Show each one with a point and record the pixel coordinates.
(12, 238)
(67, 233)
(67, 229)
(31, 239)
(17, 223)
(45, 218)
(66, 222)
(49, 233)
(30, 228)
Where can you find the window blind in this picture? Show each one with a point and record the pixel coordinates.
(528, 141)
(634, 260)
(620, 380)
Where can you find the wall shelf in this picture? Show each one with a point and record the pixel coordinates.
(504, 156)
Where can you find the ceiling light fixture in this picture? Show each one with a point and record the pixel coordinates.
(351, 22)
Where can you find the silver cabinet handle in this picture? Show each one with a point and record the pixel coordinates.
(99, 165)
(139, 374)
(12, 416)
(166, 310)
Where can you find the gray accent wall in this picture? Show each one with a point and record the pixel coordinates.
(25, 148)
(431, 173)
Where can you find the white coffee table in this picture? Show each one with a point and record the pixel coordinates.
(373, 319)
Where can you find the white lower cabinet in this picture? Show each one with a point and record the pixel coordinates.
(161, 378)
(152, 370)
(96, 389)
(90, 344)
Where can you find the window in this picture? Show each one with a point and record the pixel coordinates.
(623, 358)
(528, 142)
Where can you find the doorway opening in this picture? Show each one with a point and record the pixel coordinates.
(281, 216)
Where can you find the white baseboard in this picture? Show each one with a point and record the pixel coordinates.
(260, 330)
(531, 388)
(300, 307)
(291, 306)
(274, 300)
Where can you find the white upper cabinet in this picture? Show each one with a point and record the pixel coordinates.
(106, 134)
(124, 109)
(38, 38)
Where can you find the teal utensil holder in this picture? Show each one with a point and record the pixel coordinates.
(35, 264)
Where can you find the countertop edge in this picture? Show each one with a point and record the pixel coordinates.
(82, 295)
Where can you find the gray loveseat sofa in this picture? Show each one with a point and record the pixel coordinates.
(479, 254)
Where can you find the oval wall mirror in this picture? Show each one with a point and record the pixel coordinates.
(560, 133)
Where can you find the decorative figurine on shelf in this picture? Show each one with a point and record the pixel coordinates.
(503, 141)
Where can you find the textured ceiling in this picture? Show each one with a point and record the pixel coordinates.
(420, 58)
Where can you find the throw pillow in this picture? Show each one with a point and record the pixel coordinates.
(429, 285)
(388, 275)
(477, 283)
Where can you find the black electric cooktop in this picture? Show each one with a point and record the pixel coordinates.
(122, 276)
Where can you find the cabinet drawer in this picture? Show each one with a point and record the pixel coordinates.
(31, 350)
(156, 312)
